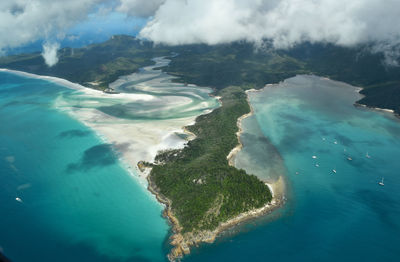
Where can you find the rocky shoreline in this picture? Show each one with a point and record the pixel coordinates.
(182, 242)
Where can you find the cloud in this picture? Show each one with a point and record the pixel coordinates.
(285, 22)
(139, 8)
(23, 22)
(50, 53)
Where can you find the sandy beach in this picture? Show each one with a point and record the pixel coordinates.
(133, 140)
(277, 187)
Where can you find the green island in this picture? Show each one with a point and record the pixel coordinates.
(201, 190)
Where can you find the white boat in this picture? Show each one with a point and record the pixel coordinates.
(297, 173)
(335, 142)
(349, 158)
(334, 171)
(367, 156)
(316, 165)
(381, 182)
(314, 157)
(18, 199)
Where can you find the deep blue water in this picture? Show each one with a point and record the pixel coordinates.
(78, 203)
(345, 216)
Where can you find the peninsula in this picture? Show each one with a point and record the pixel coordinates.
(203, 193)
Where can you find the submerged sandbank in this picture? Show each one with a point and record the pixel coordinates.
(145, 119)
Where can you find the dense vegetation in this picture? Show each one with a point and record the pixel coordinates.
(356, 66)
(218, 66)
(232, 64)
(203, 188)
(102, 63)
(243, 65)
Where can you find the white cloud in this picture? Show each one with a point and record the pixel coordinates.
(139, 8)
(23, 22)
(50, 53)
(285, 22)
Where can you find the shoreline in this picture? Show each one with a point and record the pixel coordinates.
(132, 140)
(391, 112)
(231, 156)
(78, 87)
(358, 89)
(183, 242)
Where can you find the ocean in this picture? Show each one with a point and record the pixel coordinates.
(303, 129)
(79, 202)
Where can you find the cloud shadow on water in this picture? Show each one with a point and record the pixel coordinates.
(96, 156)
(73, 133)
(382, 204)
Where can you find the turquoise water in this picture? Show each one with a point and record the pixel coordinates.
(342, 216)
(78, 203)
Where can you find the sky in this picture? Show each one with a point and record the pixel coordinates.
(51, 24)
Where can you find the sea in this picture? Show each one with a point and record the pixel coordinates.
(66, 196)
(65, 192)
(77, 202)
(305, 129)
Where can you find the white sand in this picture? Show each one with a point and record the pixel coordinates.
(85, 90)
(135, 140)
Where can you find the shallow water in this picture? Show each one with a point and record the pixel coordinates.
(78, 202)
(342, 216)
(162, 99)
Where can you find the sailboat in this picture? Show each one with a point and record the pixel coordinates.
(381, 182)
